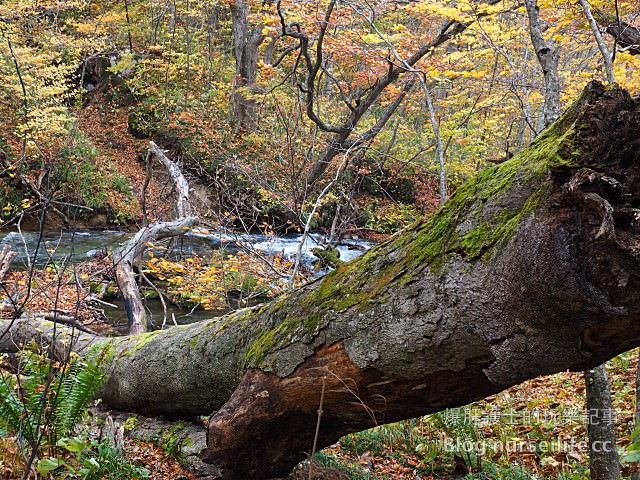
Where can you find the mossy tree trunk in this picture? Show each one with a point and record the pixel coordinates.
(531, 268)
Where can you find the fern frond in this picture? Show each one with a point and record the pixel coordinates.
(79, 386)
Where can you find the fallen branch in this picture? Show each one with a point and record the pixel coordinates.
(183, 206)
(124, 256)
(68, 320)
(6, 259)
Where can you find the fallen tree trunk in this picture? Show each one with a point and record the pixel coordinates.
(183, 207)
(533, 267)
(124, 257)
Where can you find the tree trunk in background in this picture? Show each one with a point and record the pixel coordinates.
(531, 268)
(548, 57)
(602, 46)
(603, 451)
(246, 40)
(439, 148)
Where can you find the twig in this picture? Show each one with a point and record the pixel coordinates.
(315, 437)
(160, 295)
(93, 298)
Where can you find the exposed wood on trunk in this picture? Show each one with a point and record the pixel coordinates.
(125, 255)
(511, 279)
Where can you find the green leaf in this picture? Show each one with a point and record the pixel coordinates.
(47, 465)
(73, 445)
(631, 456)
(92, 463)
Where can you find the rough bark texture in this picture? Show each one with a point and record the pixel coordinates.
(603, 452)
(6, 259)
(246, 40)
(531, 268)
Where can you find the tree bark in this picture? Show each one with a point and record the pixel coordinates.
(548, 58)
(602, 46)
(6, 259)
(603, 451)
(531, 268)
(246, 40)
(627, 36)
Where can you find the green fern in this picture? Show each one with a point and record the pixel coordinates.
(46, 394)
(11, 407)
(78, 388)
(21, 400)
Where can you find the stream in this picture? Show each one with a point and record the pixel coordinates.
(79, 246)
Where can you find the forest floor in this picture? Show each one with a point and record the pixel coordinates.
(533, 430)
(536, 430)
(107, 128)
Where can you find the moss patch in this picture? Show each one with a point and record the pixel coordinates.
(142, 339)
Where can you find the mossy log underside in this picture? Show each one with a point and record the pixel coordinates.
(531, 268)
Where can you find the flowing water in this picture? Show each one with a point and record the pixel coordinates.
(74, 247)
(82, 245)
